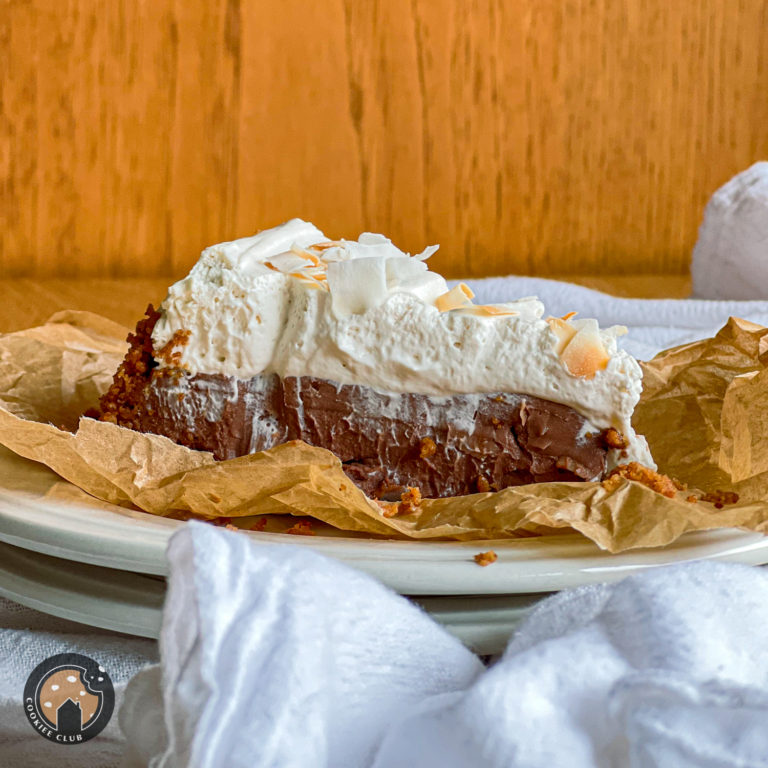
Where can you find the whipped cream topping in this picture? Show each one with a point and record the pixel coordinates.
(291, 302)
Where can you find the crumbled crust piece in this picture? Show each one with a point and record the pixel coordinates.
(692, 499)
(169, 353)
(117, 403)
(633, 471)
(388, 508)
(614, 439)
(486, 558)
(410, 500)
(720, 498)
(231, 527)
(301, 528)
(483, 486)
(428, 448)
(611, 483)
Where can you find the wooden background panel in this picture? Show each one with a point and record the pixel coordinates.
(547, 137)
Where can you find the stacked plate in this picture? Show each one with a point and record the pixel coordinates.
(105, 565)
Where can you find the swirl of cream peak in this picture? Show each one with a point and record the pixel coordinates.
(291, 302)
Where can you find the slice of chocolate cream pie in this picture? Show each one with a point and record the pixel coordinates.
(357, 347)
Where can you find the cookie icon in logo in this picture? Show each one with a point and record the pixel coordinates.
(69, 698)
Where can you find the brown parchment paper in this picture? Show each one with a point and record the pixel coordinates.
(703, 411)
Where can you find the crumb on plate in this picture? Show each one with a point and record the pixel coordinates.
(486, 558)
(301, 528)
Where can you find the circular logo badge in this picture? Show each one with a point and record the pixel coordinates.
(69, 698)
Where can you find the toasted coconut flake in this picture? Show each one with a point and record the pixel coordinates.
(357, 285)
(290, 261)
(458, 297)
(568, 315)
(584, 355)
(307, 255)
(489, 310)
(308, 279)
(427, 252)
(564, 332)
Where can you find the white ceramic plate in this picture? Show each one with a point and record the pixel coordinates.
(132, 602)
(124, 539)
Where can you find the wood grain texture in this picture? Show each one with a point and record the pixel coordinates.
(547, 137)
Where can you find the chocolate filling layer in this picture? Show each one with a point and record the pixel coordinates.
(445, 446)
(386, 442)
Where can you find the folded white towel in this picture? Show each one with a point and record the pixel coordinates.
(730, 260)
(276, 656)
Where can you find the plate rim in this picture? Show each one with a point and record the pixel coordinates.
(136, 542)
(132, 603)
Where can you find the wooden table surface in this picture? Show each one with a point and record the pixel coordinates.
(25, 303)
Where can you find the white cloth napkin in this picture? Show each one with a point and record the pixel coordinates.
(730, 260)
(275, 656)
